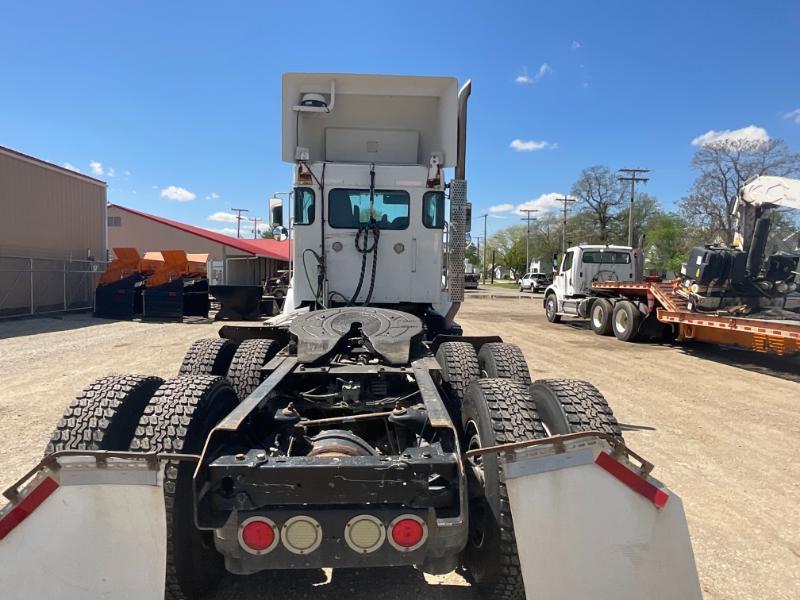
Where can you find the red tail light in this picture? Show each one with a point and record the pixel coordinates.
(408, 532)
(258, 535)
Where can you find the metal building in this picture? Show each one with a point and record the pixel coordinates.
(52, 236)
(236, 261)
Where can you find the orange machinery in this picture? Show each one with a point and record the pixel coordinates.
(166, 284)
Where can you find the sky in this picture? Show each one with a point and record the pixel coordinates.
(176, 104)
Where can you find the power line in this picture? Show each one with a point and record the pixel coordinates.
(528, 218)
(634, 179)
(565, 200)
(239, 212)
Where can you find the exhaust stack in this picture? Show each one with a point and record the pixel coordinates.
(458, 210)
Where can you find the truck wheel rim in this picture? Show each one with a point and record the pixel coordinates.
(551, 308)
(597, 317)
(477, 531)
(621, 321)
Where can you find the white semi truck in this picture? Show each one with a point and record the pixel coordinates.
(733, 295)
(360, 428)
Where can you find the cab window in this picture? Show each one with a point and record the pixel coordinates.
(567, 264)
(607, 258)
(433, 210)
(304, 206)
(350, 209)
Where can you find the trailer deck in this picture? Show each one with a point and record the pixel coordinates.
(760, 335)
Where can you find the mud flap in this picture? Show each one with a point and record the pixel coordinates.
(80, 530)
(588, 524)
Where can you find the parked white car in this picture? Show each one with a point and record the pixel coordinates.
(534, 282)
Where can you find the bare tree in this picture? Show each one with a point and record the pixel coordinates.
(724, 166)
(597, 189)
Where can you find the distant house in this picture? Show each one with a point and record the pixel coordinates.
(238, 261)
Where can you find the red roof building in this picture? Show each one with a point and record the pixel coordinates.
(232, 260)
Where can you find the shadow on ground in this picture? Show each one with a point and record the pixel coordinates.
(34, 325)
(783, 367)
(369, 584)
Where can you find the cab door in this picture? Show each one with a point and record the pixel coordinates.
(565, 277)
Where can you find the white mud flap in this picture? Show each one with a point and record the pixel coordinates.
(82, 531)
(589, 525)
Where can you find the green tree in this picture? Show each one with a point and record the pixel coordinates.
(723, 167)
(646, 209)
(599, 194)
(667, 244)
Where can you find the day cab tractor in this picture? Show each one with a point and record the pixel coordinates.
(359, 428)
(734, 295)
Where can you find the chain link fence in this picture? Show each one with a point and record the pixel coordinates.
(35, 286)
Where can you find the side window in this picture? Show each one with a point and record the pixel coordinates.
(567, 264)
(433, 210)
(304, 206)
(114, 221)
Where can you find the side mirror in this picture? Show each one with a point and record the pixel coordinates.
(279, 233)
(276, 212)
(468, 218)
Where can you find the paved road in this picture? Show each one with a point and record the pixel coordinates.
(721, 426)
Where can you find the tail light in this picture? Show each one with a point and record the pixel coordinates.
(301, 534)
(364, 534)
(258, 535)
(407, 533)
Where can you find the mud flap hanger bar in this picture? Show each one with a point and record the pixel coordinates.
(101, 457)
(636, 481)
(557, 441)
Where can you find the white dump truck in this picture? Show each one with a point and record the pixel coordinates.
(360, 428)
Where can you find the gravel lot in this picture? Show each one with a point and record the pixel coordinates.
(720, 425)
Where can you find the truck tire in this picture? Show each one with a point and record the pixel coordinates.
(210, 356)
(505, 361)
(571, 405)
(245, 372)
(104, 415)
(551, 309)
(496, 411)
(626, 320)
(600, 316)
(459, 364)
(179, 418)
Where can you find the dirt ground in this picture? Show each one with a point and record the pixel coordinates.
(720, 425)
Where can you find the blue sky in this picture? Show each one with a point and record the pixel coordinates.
(181, 99)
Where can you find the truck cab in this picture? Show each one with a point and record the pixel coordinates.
(368, 202)
(571, 291)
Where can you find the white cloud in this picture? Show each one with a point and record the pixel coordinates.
(155, 187)
(751, 135)
(178, 194)
(543, 204)
(110, 172)
(523, 77)
(213, 196)
(222, 217)
(526, 78)
(225, 230)
(127, 173)
(71, 167)
(96, 167)
(575, 44)
(500, 208)
(793, 116)
(531, 145)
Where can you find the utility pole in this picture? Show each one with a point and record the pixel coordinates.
(633, 177)
(255, 221)
(528, 218)
(565, 200)
(483, 269)
(239, 212)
